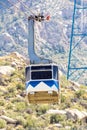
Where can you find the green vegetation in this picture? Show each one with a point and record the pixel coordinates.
(41, 109)
(2, 123)
(20, 106)
(79, 93)
(20, 86)
(14, 103)
(57, 118)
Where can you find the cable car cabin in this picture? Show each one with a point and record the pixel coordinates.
(42, 84)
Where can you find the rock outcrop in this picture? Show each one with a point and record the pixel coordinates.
(6, 70)
(73, 114)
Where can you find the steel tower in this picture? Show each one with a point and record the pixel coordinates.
(77, 62)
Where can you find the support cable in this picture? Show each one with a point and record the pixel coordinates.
(25, 6)
(5, 6)
(17, 8)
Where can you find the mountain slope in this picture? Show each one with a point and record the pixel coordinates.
(17, 114)
(52, 38)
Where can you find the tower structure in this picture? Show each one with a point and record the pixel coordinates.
(77, 62)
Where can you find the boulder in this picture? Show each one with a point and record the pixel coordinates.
(73, 114)
(76, 114)
(6, 70)
(8, 119)
(58, 125)
(63, 112)
(84, 104)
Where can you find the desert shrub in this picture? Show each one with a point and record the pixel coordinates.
(2, 102)
(13, 73)
(9, 106)
(79, 93)
(42, 109)
(8, 95)
(22, 77)
(56, 118)
(9, 127)
(19, 127)
(2, 123)
(63, 98)
(3, 81)
(22, 121)
(20, 106)
(69, 122)
(15, 100)
(31, 122)
(20, 86)
(41, 124)
(85, 96)
(1, 93)
(11, 89)
(64, 82)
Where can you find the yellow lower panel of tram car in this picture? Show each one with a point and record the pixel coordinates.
(43, 97)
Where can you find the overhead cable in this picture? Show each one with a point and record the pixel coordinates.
(17, 8)
(5, 5)
(26, 7)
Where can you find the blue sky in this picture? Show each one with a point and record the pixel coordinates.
(5, 3)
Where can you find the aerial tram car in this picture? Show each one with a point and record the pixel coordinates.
(42, 78)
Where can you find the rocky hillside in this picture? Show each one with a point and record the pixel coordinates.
(52, 39)
(17, 114)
